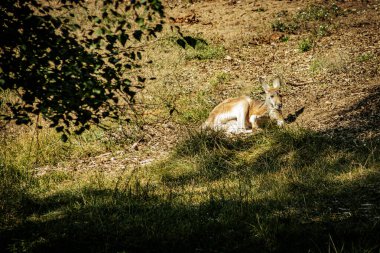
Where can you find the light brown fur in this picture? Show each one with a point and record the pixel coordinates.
(244, 112)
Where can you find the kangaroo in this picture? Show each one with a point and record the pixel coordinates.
(236, 115)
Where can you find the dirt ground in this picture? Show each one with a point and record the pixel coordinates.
(341, 95)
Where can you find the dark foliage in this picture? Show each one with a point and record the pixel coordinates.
(72, 81)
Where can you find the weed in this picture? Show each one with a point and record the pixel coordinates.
(305, 45)
(284, 39)
(322, 30)
(288, 27)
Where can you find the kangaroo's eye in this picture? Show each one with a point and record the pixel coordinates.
(272, 96)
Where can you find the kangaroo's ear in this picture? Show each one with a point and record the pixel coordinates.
(263, 84)
(276, 83)
(265, 87)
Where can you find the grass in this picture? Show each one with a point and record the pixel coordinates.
(203, 51)
(220, 79)
(280, 190)
(305, 45)
(28, 148)
(315, 12)
(365, 57)
(195, 111)
(282, 26)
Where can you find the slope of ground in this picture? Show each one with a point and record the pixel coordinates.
(311, 187)
(335, 82)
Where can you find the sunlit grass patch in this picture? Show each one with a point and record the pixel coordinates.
(364, 57)
(219, 79)
(305, 45)
(204, 51)
(319, 12)
(194, 109)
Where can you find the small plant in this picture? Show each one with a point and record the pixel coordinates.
(305, 45)
(365, 57)
(220, 78)
(318, 13)
(332, 63)
(322, 30)
(281, 26)
(284, 39)
(314, 18)
(317, 65)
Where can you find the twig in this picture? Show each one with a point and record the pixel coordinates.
(297, 84)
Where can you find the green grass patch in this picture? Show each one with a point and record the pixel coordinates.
(365, 57)
(219, 79)
(26, 148)
(204, 51)
(305, 45)
(193, 110)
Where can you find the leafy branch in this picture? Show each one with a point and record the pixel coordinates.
(73, 81)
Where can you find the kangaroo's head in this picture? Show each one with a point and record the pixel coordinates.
(273, 98)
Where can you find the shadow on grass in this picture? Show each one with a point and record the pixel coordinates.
(329, 202)
(217, 155)
(140, 221)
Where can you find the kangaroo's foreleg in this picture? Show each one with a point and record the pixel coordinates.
(277, 115)
(242, 116)
(253, 121)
